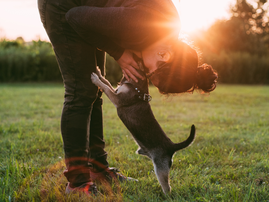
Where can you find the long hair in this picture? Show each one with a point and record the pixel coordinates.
(182, 74)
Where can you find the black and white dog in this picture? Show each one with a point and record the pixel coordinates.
(132, 102)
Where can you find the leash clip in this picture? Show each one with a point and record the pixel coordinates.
(147, 97)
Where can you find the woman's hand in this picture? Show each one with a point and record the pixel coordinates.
(129, 66)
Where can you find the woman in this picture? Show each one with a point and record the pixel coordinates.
(81, 31)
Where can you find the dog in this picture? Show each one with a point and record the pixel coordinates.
(132, 102)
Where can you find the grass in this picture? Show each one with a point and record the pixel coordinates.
(227, 162)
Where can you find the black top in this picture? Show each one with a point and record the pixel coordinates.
(115, 25)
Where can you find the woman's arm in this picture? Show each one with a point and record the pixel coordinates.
(97, 26)
(97, 40)
(112, 22)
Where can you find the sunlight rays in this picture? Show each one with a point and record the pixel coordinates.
(197, 14)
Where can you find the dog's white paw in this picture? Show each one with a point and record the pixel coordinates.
(98, 72)
(95, 79)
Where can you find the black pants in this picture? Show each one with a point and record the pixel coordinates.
(81, 123)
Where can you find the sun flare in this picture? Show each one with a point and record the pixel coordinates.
(197, 14)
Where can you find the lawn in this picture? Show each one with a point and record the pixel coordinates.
(228, 160)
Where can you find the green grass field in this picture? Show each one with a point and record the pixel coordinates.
(228, 161)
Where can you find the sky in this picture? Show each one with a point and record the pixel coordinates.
(21, 17)
(200, 14)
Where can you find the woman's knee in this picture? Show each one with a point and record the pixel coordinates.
(81, 96)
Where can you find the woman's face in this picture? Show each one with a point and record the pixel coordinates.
(153, 65)
(150, 59)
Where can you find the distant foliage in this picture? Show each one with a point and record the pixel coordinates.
(21, 62)
(240, 67)
(36, 62)
(113, 70)
(238, 48)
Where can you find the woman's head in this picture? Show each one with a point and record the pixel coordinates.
(181, 72)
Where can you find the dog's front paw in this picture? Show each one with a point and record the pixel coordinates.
(98, 72)
(95, 79)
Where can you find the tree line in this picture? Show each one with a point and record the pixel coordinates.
(35, 61)
(238, 48)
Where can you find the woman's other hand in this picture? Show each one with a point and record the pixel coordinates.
(129, 66)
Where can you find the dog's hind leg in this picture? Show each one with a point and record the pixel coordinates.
(162, 168)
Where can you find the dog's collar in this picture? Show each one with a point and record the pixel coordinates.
(143, 96)
(140, 95)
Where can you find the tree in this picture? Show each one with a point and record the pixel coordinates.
(247, 30)
(254, 19)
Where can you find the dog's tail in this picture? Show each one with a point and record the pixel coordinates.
(187, 142)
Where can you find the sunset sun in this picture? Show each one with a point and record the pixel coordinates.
(196, 15)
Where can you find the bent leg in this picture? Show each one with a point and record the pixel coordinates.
(77, 60)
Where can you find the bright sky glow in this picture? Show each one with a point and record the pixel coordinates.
(200, 14)
(21, 17)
